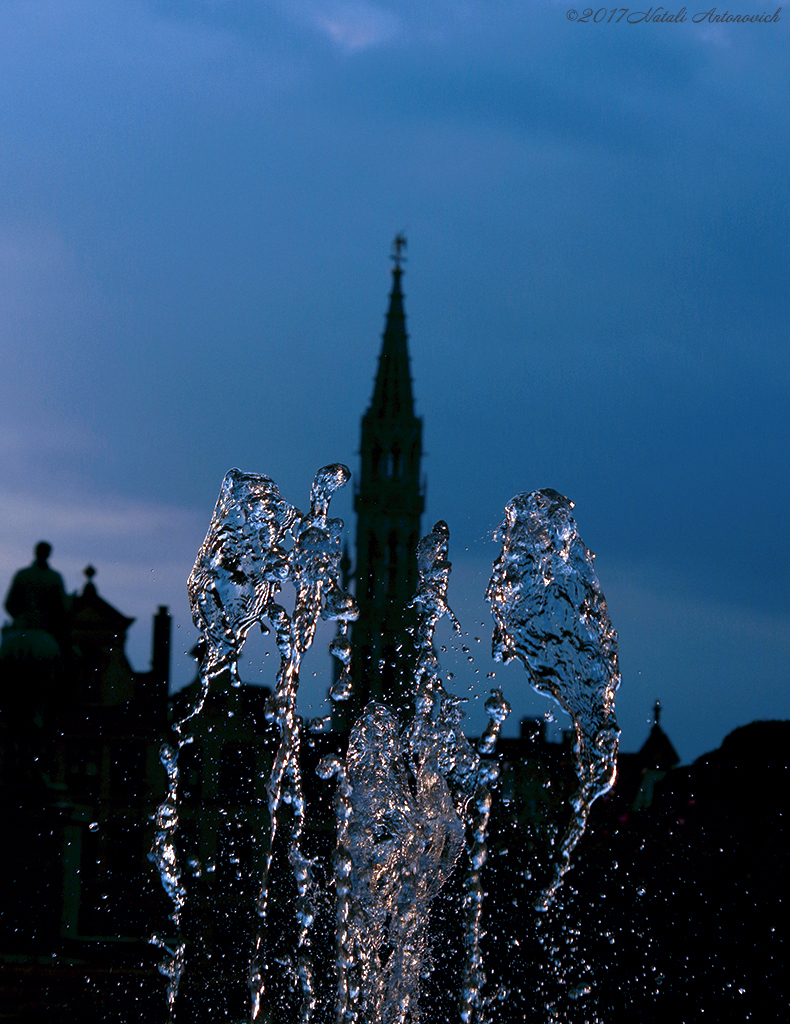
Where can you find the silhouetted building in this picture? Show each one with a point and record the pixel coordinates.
(79, 780)
(672, 909)
(389, 502)
(221, 841)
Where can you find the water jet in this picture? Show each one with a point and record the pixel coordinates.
(412, 797)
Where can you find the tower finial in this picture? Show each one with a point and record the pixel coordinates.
(656, 712)
(398, 245)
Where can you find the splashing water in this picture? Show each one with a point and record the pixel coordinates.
(239, 570)
(408, 799)
(163, 854)
(403, 796)
(550, 613)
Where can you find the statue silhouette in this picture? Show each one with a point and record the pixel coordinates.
(37, 598)
(31, 664)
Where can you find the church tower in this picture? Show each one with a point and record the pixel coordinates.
(388, 503)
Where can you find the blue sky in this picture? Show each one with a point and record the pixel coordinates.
(196, 210)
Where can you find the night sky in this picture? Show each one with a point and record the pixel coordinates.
(197, 202)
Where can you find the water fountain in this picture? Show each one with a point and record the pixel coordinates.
(409, 798)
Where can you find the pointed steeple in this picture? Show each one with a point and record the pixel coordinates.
(657, 751)
(389, 503)
(391, 446)
(392, 395)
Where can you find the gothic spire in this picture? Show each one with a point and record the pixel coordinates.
(389, 502)
(392, 395)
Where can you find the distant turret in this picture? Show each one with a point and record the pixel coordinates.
(656, 758)
(657, 753)
(103, 675)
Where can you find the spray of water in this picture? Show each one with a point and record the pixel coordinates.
(409, 798)
(550, 613)
(239, 568)
(402, 805)
(238, 573)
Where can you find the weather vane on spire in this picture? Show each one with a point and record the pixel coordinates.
(397, 249)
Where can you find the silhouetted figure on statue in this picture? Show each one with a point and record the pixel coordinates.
(37, 598)
(31, 665)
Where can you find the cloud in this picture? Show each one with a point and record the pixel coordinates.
(139, 537)
(113, 34)
(19, 445)
(353, 27)
(113, 61)
(50, 312)
(33, 263)
(111, 519)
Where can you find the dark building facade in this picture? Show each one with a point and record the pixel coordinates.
(389, 501)
(80, 778)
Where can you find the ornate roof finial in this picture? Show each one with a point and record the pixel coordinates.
(398, 245)
(90, 587)
(656, 712)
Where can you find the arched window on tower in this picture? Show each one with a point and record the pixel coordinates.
(396, 460)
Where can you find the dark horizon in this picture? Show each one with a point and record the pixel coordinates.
(552, 721)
